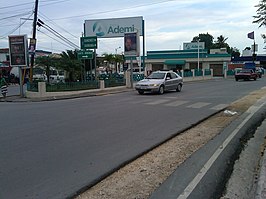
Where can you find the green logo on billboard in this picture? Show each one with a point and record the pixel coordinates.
(98, 29)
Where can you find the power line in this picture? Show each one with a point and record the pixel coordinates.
(55, 39)
(17, 5)
(30, 3)
(40, 23)
(16, 28)
(15, 16)
(55, 2)
(55, 24)
(115, 10)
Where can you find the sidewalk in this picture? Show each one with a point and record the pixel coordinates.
(205, 173)
(261, 187)
(88, 93)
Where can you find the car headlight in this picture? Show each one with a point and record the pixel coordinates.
(154, 85)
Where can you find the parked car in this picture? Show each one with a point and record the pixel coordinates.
(160, 81)
(246, 74)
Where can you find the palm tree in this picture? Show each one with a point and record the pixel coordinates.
(221, 42)
(70, 63)
(118, 60)
(261, 14)
(47, 62)
(110, 58)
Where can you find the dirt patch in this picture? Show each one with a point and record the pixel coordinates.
(141, 177)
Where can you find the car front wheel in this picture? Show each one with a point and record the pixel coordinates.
(179, 87)
(161, 90)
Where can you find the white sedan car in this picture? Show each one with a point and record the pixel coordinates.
(160, 81)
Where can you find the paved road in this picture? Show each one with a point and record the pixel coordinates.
(53, 149)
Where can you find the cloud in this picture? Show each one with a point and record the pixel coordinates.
(167, 23)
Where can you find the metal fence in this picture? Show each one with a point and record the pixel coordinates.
(114, 82)
(32, 86)
(75, 86)
(188, 73)
(72, 86)
(138, 76)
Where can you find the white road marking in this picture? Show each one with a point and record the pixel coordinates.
(191, 186)
(219, 107)
(176, 103)
(198, 105)
(155, 102)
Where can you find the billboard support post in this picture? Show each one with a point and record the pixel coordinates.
(131, 72)
(21, 82)
(143, 47)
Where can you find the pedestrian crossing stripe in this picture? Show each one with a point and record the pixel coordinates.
(155, 102)
(198, 105)
(170, 103)
(176, 103)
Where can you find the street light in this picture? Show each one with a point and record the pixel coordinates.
(198, 54)
(117, 49)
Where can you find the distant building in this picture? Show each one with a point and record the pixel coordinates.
(193, 58)
(4, 61)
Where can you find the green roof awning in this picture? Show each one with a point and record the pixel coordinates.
(174, 62)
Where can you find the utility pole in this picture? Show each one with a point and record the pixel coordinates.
(34, 37)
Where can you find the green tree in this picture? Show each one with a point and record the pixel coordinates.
(47, 62)
(118, 60)
(234, 52)
(207, 38)
(260, 18)
(221, 42)
(69, 62)
(110, 59)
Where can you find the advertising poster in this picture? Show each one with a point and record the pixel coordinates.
(32, 46)
(18, 50)
(131, 44)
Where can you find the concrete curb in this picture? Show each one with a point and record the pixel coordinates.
(98, 92)
(201, 175)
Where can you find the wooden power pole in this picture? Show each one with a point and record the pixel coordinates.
(34, 37)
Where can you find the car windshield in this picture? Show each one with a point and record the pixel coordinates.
(245, 71)
(156, 76)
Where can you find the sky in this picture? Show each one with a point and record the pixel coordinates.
(168, 23)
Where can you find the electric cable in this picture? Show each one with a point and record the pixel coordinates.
(55, 24)
(16, 28)
(55, 39)
(40, 23)
(115, 10)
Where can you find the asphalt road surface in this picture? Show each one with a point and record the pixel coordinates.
(53, 149)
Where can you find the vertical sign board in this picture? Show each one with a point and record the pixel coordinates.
(18, 50)
(131, 44)
(32, 46)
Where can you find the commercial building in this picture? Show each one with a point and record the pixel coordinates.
(188, 59)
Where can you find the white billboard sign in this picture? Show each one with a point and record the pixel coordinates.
(115, 27)
(193, 45)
